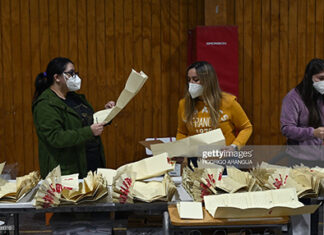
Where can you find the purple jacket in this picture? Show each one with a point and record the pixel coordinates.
(294, 125)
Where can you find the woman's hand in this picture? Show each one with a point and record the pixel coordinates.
(319, 132)
(110, 104)
(97, 128)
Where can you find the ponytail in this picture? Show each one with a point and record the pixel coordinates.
(42, 82)
(46, 79)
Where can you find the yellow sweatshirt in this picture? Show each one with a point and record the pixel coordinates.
(232, 121)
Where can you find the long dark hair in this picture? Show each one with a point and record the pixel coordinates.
(309, 94)
(46, 79)
(212, 93)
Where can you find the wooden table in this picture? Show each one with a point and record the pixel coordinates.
(210, 222)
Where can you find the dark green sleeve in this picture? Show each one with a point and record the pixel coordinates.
(50, 127)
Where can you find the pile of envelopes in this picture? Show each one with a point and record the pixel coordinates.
(14, 191)
(200, 182)
(191, 146)
(92, 188)
(56, 189)
(128, 181)
(154, 190)
(306, 181)
(49, 192)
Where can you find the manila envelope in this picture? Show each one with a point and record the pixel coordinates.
(270, 203)
(189, 147)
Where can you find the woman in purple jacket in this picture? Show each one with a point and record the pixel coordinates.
(302, 117)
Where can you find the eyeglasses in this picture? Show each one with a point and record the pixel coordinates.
(71, 73)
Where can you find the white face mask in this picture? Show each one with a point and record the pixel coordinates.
(319, 86)
(73, 83)
(195, 90)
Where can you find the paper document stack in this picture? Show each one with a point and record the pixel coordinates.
(123, 186)
(15, 191)
(154, 190)
(49, 192)
(92, 188)
(302, 179)
(108, 174)
(201, 181)
(57, 189)
(149, 167)
(128, 184)
(190, 210)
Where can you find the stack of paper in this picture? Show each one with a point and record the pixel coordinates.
(278, 177)
(154, 190)
(149, 167)
(92, 188)
(70, 182)
(133, 85)
(190, 210)
(229, 185)
(197, 183)
(108, 174)
(49, 192)
(15, 191)
(243, 178)
(123, 186)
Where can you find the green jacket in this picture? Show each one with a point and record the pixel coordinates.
(61, 137)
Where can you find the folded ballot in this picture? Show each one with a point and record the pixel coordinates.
(189, 147)
(133, 85)
(108, 174)
(56, 189)
(270, 203)
(14, 191)
(303, 179)
(201, 181)
(149, 167)
(123, 185)
(92, 188)
(49, 192)
(154, 190)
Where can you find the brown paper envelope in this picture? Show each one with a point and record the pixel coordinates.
(188, 147)
(108, 174)
(70, 182)
(149, 167)
(9, 189)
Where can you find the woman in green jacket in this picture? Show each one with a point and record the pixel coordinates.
(64, 122)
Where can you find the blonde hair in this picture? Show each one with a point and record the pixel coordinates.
(212, 94)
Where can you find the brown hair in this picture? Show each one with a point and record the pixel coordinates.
(212, 93)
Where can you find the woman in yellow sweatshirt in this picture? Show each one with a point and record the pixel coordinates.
(205, 107)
